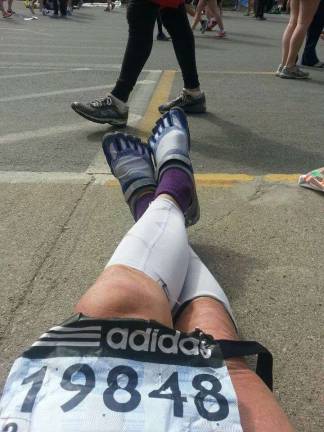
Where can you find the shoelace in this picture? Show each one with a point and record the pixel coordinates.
(102, 102)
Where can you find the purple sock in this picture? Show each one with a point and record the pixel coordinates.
(142, 204)
(178, 184)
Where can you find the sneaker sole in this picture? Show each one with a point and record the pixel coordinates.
(293, 77)
(113, 122)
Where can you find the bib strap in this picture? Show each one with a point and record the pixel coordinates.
(264, 365)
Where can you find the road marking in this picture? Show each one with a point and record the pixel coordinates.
(30, 74)
(61, 92)
(49, 131)
(222, 179)
(281, 178)
(27, 30)
(78, 47)
(50, 54)
(160, 95)
(218, 180)
(16, 177)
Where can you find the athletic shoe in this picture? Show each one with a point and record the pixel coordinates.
(279, 70)
(104, 110)
(190, 104)
(293, 73)
(131, 163)
(170, 146)
(204, 26)
(162, 37)
(220, 34)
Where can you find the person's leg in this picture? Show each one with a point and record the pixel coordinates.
(159, 23)
(192, 100)
(309, 57)
(2, 9)
(213, 7)
(307, 10)
(160, 36)
(259, 410)
(55, 8)
(286, 37)
(63, 5)
(141, 16)
(200, 7)
(10, 6)
(112, 108)
(149, 265)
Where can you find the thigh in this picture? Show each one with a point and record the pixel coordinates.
(123, 292)
(176, 21)
(259, 410)
(141, 16)
(294, 11)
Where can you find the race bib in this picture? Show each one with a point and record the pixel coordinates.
(119, 375)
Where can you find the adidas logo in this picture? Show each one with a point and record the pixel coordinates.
(150, 340)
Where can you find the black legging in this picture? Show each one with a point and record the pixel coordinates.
(141, 17)
(259, 7)
(314, 32)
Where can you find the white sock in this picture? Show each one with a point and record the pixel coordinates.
(193, 92)
(158, 246)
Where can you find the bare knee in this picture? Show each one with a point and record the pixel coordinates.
(121, 291)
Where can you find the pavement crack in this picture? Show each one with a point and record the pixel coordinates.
(29, 285)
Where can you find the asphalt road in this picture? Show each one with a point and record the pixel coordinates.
(259, 233)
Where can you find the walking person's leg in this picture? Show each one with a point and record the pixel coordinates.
(112, 109)
(200, 7)
(309, 57)
(191, 100)
(161, 36)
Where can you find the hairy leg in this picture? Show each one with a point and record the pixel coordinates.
(259, 410)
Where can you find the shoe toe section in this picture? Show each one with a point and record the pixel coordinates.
(178, 118)
(111, 146)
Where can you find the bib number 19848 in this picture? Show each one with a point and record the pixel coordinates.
(207, 387)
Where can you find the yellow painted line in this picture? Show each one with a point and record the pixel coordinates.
(228, 180)
(222, 180)
(160, 95)
(281, 178)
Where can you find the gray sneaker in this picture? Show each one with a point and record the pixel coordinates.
(105, 110)
(189, 104)
(293, 73)
(279, 70)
